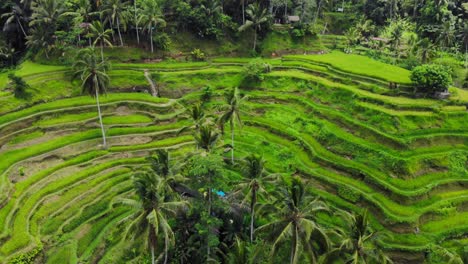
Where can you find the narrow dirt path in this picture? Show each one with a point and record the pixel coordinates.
(154, 91)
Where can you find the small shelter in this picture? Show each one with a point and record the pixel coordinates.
(293, 19)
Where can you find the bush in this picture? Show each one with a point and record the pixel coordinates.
(162, 41)
(431, 78)
(19, 85)
(255, 69)
(198, 55)
(348, 194)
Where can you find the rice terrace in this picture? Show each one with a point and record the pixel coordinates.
(250, 131)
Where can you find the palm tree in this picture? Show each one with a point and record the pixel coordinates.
(258, 16)
(197, 114)
(101, 35)
(152, 213)
(206, 138)
(81, 14)
(395, 38)
(40, 38)
(116, 14)
(425, 50)
(463, 35)
(446, 33)
(152, 17)
(361, 242)
(232, 114)
(46, 12)
(254, 184)
(94, 79)
(160, 165)
(17, 16)
(297, 223)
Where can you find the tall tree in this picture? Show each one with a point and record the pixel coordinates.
(151, 217)
(152, 17)
(463, 35)
(100, 35)
(297, 223)
(253, 185)
(46, 12)
(17, 18)
(257, 17)
(94, 80)
(360, 243)
(232, 114)
(116, 11)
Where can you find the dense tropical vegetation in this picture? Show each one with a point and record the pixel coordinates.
(233, 131)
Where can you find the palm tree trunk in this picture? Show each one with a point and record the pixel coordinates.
(136, 22)
(100, 120)
(153, 261)
(293, 244)
(208, 234)
(102, 50)
(21, 27)
(285, 9)
(151, 38)
(118, 30)
(165, 250)
(252, 213)
(243, 12)
(232, 142)
(255, 39)
(318, 11)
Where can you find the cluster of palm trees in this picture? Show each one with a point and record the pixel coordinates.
(83, 19)
(169, 188)
(291, 214)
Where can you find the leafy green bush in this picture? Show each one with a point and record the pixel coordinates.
(162, 40)
(198, 55)
(431, 78)
(348, 194)
(255, 69)
(19, 86)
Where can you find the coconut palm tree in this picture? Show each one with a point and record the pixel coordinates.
(425, 50)
(197, 114)
(152, 17)
(257, 17)
(253, 184)
(206, 137)
(446, 33)
(40, 38)
(81, 14)
(360, 243)
(94, 80)
(16, 17)
(463, 35)
(232, 114)
(297, 223)
(100, 35)
(152, 213)
(116, 11)
(46, 12)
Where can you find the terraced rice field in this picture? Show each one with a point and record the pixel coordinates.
(357, 144)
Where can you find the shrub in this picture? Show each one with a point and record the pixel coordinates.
(431, 78)
(348, 194)
(198, 55)
(19, 85)
(162, 41)
(255, 69)
(206, 95)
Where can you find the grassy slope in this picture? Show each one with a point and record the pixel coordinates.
(286, 89)
(362, 65)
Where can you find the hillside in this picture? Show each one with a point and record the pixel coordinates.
(328, 119)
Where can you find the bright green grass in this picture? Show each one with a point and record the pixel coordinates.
(127, 119)
(67, 118)
(26, 137)
(30, 68)
(361, 65)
